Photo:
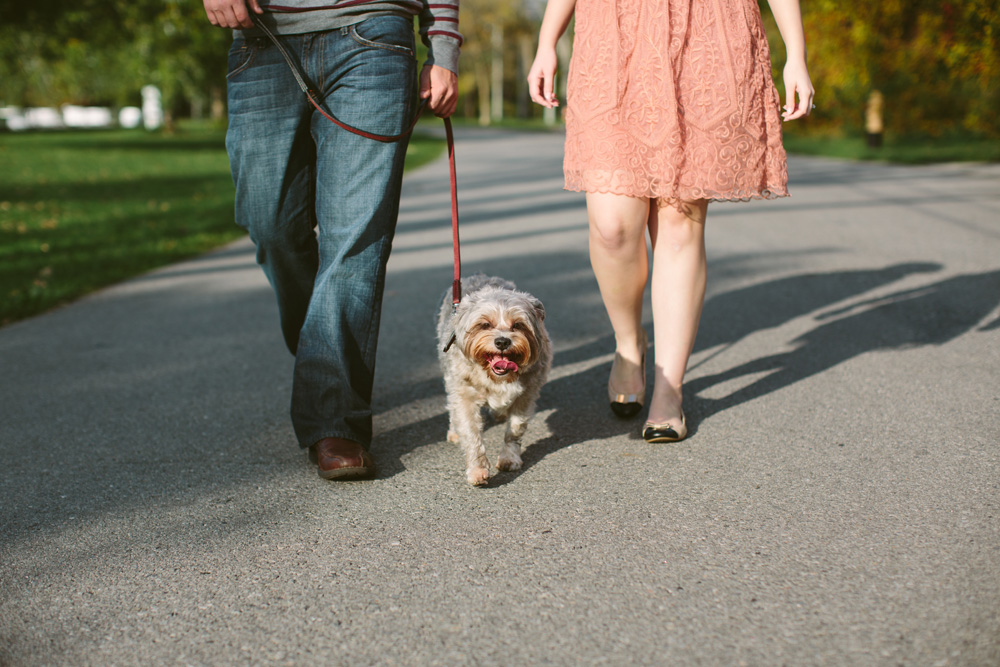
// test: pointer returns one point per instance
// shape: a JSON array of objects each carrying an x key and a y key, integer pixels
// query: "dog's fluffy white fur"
[{"x": 494, "y": 351}]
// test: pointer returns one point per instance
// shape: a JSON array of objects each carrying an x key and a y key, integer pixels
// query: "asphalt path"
[{"x": 837, "y": 502}]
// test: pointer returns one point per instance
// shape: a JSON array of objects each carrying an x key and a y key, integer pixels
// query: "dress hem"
[{"x": 663, "y": 199}]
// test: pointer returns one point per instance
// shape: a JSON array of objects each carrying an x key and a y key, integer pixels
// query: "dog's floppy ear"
[{"x": 539, "y": 308}]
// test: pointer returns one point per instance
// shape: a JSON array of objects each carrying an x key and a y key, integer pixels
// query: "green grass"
[
  {"x": 907, "y": 150},
  {"x": 80, "y": 210}
]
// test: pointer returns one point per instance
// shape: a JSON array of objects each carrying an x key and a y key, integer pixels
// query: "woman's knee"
[
  {"x": 682, "y": 223},
  {"x": 613, "y": 235},
  {"x": 617, "y": 222}
]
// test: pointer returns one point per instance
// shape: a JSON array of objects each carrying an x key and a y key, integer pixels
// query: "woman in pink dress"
[{"x": 670, "y": 105}]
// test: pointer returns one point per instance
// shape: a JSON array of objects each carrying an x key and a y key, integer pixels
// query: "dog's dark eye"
[
  {"x": 485, "y": 325},
  {"x": 519, "y": 326}
]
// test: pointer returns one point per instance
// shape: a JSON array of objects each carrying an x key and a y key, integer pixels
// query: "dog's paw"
[
  {"x": 453, "y": 437},
  {"x": 509, "y": 461},
  {"x": 478, "y": 476}
]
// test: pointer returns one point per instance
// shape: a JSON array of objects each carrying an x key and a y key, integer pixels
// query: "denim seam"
[
  {"x": 252, "y": 55},
  {"x": 378, "y": 45}
]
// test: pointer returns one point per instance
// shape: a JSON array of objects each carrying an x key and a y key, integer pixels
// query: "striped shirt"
[{"x": 438, "y": 21}]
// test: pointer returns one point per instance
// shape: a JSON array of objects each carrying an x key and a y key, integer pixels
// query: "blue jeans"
[{"x": 320, "y": 203}]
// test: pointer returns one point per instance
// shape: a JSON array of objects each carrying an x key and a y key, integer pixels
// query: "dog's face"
[{"x": 500, "y": 330}]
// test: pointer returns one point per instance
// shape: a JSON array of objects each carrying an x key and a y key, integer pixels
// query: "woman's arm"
[
  {"x": 541, "y": 78},
  {"x": 798, "y": 88}
]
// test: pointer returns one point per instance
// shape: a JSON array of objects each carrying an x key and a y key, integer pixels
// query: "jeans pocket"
[
  {"x": 390, "y": 33},
  {"x": 241, "y": 54}
]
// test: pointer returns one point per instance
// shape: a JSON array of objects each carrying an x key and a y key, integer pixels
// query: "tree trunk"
[
  {"x": 496, "y": 73},
  {"x": 525, "y": 56},
  {"x": 218, "y": 105},
  {"x": 483, "y": 90}
]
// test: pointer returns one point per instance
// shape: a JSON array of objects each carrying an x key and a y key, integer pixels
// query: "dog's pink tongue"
[{"x": 502, "y": 364}]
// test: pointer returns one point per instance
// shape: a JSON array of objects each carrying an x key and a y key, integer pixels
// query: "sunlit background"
[
  {"x": 935, "y": 64},
  {"x": 113, "y": 117}
]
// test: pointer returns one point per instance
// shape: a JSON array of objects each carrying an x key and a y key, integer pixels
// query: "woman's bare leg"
[
  {"x": 618, "y": 256},
  {"x": 678, "y": 293}
]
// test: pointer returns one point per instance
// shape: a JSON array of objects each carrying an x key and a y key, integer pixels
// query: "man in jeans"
[{"x": 320, "y": 203}]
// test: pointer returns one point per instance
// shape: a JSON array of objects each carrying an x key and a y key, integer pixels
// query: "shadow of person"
[
  {"x": 731, "y": 316},
  {"x": 930, "y": 315},
  {"x": 573, "y": 402}
]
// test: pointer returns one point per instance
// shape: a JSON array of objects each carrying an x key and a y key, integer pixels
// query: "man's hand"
[
  {"x": 439, "y": 86},
  {"x": 231, "y": 13}
]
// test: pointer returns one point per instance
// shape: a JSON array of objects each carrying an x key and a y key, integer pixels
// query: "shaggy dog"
[{"x": 494, "y": 351}]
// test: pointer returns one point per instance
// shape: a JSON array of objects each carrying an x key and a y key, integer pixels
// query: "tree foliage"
[
  {"x": 56, "y": 52},
  {"x": 936, "y": 63}
]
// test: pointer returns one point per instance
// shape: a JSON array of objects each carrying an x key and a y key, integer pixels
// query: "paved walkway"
[{"x": 837, "y": 503}]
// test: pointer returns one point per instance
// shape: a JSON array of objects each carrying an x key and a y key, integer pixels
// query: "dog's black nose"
[{"x": 502, "y": 343}]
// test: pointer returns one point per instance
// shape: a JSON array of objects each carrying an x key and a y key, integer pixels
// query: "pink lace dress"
[{"x": 673, "y": 100}]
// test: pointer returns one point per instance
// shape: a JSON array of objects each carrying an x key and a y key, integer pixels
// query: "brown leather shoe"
[{"x": 338, "y": 458}]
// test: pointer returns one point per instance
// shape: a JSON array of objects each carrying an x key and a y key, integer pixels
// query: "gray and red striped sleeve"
[{"x": 439, "y": 31}]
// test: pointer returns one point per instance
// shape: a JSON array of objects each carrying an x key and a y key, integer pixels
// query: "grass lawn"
[
  {"x": 80, "y": 210},
  {"x": 898, "y": 150}
]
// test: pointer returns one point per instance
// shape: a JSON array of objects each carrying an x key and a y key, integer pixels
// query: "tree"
[
  {"x": 55, "y": 52},
  {"x": 499, "y": 37},
  {"x": 936, "y": 63}
]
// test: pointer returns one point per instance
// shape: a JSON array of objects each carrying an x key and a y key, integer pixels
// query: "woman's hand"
[
  {"x": 798, "y": 90},
  {"x": 542, "y": 76}
]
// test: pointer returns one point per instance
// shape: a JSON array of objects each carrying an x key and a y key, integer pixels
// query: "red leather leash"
[{"x": 456, "y": 286}]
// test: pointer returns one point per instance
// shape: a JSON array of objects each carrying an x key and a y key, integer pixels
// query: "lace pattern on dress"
[{"x": 673, "y": 100}]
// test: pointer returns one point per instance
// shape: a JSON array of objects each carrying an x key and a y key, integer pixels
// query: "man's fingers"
[
  {"x": 241, "y": 17},
  {"x": 231, "y": 13},
  {"x": 441, "y": 90},
  {"x": 435, "y": 99},
  {"x": 425, "y": 83},
  {"x": 443, "y": 103}
]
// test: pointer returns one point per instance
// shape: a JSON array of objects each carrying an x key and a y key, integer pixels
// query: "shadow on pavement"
[
  {"x": 177, "y": 434},
  {"x": 933, "y": 314}
]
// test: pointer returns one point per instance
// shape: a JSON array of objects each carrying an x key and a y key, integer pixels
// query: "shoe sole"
[
  {"x": 663, "y": 439},
  {"x": 347, "y": 473}
]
